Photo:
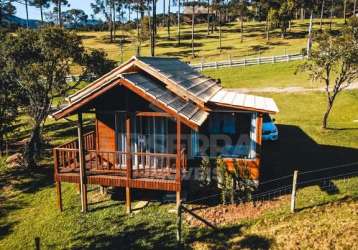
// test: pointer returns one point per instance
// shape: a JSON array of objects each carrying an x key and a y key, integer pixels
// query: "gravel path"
[{"x": 289, "y": 89}]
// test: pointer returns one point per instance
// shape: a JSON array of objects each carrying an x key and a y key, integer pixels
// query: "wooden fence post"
[
  {"x": 293, "y": 195},
  {"x": 202, "y": 64},
  {"x": 179, "y": 223},
  {"x": 37, "y": 243}
]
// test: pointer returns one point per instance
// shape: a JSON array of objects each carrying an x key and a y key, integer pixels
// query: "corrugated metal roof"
[
  {"x": 187, "y": 109},
  {"x": 183, "y": 76},
  {"x": 244, "y": 101}
]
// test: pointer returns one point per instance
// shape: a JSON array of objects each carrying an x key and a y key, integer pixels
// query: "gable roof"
[{"x": 173, "y": 85}]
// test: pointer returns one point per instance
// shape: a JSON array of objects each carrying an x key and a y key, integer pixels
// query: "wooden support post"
[
  {"x": 59, "y": 195},
  {"x": 293, "y": 195},
  {"x": 179, "y": 223},
  {"x": 82, "y": 164},
  {"x": 178, "y": 163},
  {"x": 129, "y": 164},
  {"x": 58, "y": 183}
]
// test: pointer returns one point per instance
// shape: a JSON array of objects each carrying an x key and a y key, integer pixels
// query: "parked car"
[{"x": 269, "y": 129}]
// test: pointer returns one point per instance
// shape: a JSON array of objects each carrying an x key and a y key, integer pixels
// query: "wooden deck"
[{"x": 148, "y": 170}]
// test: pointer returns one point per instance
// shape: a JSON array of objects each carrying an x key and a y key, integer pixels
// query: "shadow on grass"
[
  {"x": 295, "y": 150},
  {"x": 19, "y": 180},
  {"x": 221, "y": 239},
  {"x": 337, "y": 201},
  {"x": 137, "y": 236}
]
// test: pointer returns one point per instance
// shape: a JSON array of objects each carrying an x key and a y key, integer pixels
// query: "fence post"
[
  {"x": 37, "y": 243},
  {"x": 273, "y": 59},
  {"x": 202, "y": 62},
  {"x": 288, "y": 58},
  {"x": 230, "y": 61},
  {"x": 293, "y": 195},
  {"x": 245, "y": 61},
  {"x": 216, "y": 65},
  {"x": 179, "y": 222}
]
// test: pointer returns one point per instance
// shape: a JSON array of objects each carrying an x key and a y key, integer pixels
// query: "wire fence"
[{"x": 345, "y": 173}]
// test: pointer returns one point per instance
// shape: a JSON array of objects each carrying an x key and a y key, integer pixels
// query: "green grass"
[
  {"x": 206, "y": 47},
  {"x": 261, "y": 76},
  {"x": 28, "y": 210}
]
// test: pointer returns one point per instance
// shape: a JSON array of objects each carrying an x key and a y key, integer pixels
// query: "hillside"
[{"x": 206, "y": 45}]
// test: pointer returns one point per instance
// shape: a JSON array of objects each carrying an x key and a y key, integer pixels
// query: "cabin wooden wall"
[{"x": 105, "y": 132}]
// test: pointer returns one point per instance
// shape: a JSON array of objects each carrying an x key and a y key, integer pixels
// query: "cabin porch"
[{"x": 82, "y": 161}]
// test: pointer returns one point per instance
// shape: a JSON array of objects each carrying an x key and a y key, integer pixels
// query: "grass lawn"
[
  {"x": 27, "y": 198},
  {"x": 206, "y": 46},
  {"x": 261, "y": 76}
]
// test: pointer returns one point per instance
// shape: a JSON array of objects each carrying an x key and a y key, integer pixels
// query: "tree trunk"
[
  {"x": 241, "y": 27},
  {"x": 208, "y": 16},
  {"x": 322, "y": 10},
  {"x": 164, "y": 17},
  {"x": 168, "y": 19},
  {"x": 326, "y": 114},
  {"x": 331, "y": 16},
  {"x": 354, "y": 7},
  {"x": 178, "y": 22},
  {"x": 344, "y": 11},
  {"x": 192, "y": 32},
  {"x": 302, "y": 15},
  {"x": 138, "y": 33},
  {"x": 110, "y": 24},
  {"x": 59, "y": 13},
  {"x": 220, "y": 31},
  {"x": 32, "y": 148},
  {"x": 154, "y": 28},
  {"x": 267, "y": 29},
  {"x": 27, "y": 13},
  {"x": 114, "y": 20},
  {"x": 42, "y": 14}
]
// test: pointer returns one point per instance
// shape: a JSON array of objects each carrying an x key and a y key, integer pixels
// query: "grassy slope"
[
  {"x": 207, "y": 46},
  {"x": 28, "y": 210},
  {"x": 260, "y": 76}
]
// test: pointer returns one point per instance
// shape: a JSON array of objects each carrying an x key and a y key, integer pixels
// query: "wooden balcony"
[{"x": 146, "y": 170}]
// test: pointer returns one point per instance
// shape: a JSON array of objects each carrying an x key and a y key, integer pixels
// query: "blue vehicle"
[{"x": 269, "y": 129}]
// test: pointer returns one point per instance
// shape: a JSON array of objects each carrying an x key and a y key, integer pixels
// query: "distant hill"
[{"x": 14, "y": 20}]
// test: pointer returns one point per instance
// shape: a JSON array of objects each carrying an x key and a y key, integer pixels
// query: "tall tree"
[
  {"x": 9, "y": 98},
  {"x": 58, "y": 9},
  {"x": 335, "y": 62},
  {"x": 105, "y": 7},
  {"x": 322, "y": 11},
  {"x": 153, "y": 28},
  {"x": 74, "y": 17},
  {"x": 46, "y": 58},
  {"x": 27, "y": 13},
  {"x": 6, "y": 8},
  {"x": 41, "y": 4}
]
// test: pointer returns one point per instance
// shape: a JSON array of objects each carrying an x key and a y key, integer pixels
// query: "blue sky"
[{"x": 34, "y": 13}]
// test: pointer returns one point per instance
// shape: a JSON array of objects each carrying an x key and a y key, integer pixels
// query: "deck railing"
[{"x": 143, "y": 164}]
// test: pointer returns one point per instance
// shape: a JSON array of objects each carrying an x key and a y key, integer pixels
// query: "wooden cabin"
[{"x": 155, "y": 119}]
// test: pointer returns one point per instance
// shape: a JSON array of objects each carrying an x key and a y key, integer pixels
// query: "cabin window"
[
  {"x": 235, "y": 134},
  {"x": 195, "y": 147}
]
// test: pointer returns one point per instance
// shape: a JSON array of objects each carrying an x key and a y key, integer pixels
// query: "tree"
[
  {"x": 74, "y": 17},
  {"x": 192, "y": 4},
  {"x": 6, "y": 8},
  {"x": 105, "y": 7},
  {"x": 335, "y": 62},
  {"x": 9, "y": 98},
  {"x": 58, "y": 9},
  {"x": 41, "y": 60},
  {"x": 41, "y": 4}
]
